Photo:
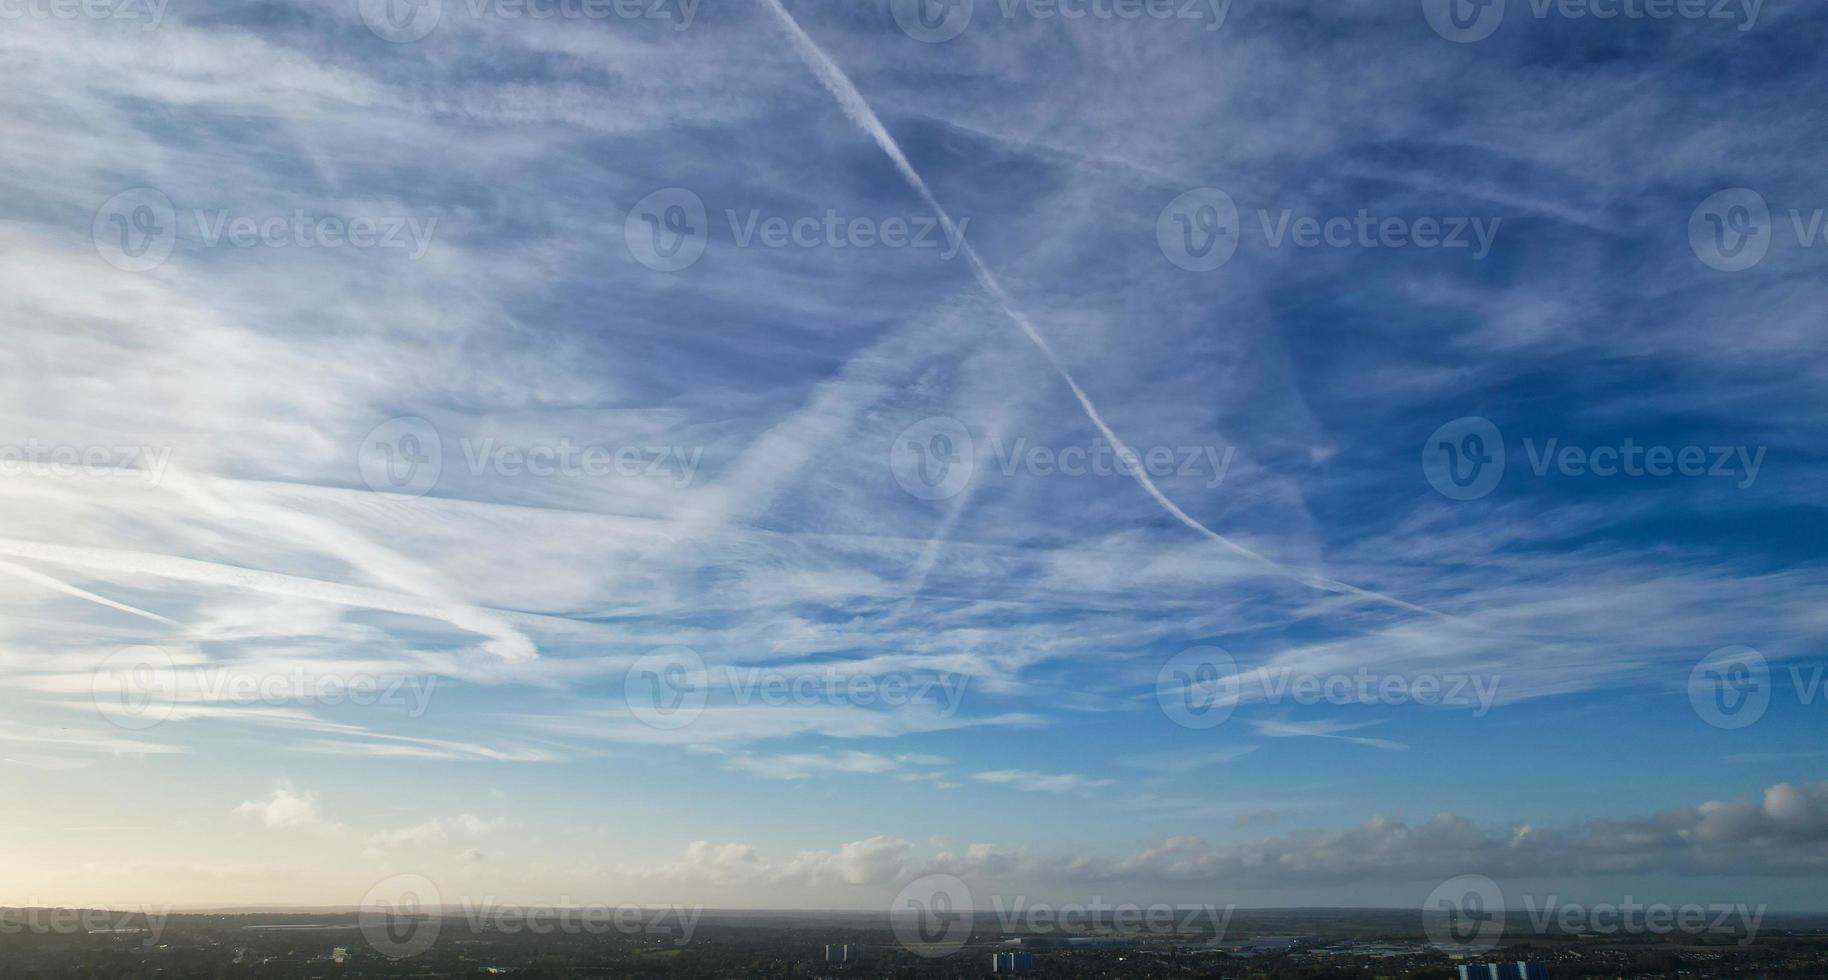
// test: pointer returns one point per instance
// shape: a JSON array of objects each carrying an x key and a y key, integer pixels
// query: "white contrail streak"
[
  {"x": 59, "y": 585},
  {"x": 509, "y": 647},
  {"x": 859, "y": 111}
]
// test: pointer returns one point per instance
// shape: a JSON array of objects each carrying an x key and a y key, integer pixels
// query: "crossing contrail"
[{"x": 859, "y": 111}]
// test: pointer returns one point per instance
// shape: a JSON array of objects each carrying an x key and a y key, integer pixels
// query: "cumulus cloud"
[
  {"x": 1784, "y": 833},
  {"x": 290, "y": 809},
  {"x": 872, "y": 861}
]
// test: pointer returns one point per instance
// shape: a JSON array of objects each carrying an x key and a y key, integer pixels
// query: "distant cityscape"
[{"x": 1261, "y": 945}]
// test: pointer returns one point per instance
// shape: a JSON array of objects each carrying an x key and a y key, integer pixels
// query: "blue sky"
[{"x": 647, "y": 452}]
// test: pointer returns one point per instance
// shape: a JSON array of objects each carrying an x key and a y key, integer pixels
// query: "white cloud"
[
  {"x": 436, "y": 830},
  {"x": 290, "y": 809},
  {"x": 1041, "y": 782}
]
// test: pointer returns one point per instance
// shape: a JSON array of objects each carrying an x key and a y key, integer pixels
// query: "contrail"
[
  {"x": 59, "y": 585},
  {"x": 509, "y": 646},
  {"x": 859, "y": 111}
]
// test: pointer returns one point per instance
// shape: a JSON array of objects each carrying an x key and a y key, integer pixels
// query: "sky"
[{"x": 764, "y": 454}]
